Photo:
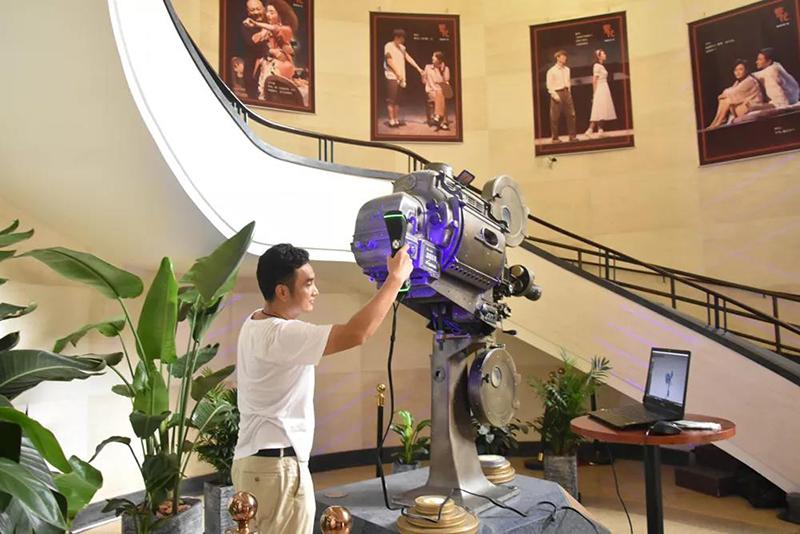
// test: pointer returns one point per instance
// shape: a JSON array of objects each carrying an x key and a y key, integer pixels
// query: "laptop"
[{"x": 664, "y": 395}]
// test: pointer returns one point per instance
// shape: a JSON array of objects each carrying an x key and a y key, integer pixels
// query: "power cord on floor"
[{"x": 616, "y": 486}]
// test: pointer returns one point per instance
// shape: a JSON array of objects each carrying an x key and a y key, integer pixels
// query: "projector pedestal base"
[{"x": 454, "y": 458}]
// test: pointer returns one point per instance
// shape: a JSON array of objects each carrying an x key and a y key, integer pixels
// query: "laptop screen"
[{"x": 668, "y": 376}]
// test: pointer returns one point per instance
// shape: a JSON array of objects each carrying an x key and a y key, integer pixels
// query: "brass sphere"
[
  {"x": 336, "y": 519},
  {"x": 243, "y": 507},
  {"x": 381, "y": 388}
]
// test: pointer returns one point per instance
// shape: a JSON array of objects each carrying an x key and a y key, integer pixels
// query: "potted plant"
[
  {"x": 564, "y": 395},
  {"x": 413, "y": 446},
  {"x": 498, "y": 440},
  {"x": 32, "y": 497},
  {"x": 215, "y": 446},
  {"x": 162, "y": 424}
]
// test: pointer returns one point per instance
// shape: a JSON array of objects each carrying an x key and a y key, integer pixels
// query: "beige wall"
[{"x": 737, "y": 221}]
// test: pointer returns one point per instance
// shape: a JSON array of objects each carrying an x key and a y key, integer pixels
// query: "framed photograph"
[
  {"x": 266, "y": 52},
  {"x": 415, "y": 77},
  {"x": 746, "y": 67},
  {"x": 581, "y": 85}
]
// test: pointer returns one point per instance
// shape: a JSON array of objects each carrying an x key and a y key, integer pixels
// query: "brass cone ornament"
[
  {"x": 336, "y": 520},
  {"x": 497, "y": 469},
  {"x": 243, "y": 509},
  {"x": 424, "y": 518}
]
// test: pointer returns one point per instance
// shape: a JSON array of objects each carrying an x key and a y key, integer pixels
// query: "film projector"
[{"x": 457, "y": 240}]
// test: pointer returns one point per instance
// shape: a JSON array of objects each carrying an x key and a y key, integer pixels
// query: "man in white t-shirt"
[
  {"x": 394, "y": 70},
  {"x": 276, "y": 356}
]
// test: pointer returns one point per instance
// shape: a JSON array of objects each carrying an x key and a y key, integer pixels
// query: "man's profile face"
[
  {"x": 304, "y": 290},
  {"x": 762, "y": 61},
  {"x": 255, "y": 10},
  {"x": 561, "y": 59}
]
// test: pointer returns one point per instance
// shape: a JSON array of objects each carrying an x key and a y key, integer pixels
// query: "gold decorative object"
[
  {"x": 336, "y": 519},
  {"x": 497, "y": 469},
  {"x": 381, "y": 388},
  {"x": 424, "y": 517},
  {"x": 243, "y": 509}
]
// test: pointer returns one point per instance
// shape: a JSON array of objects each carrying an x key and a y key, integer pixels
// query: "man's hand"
[
  {"x": 249, "y": 23},
  {"x": 556, "y": 97},
  {"x": 400, "y": 265}
]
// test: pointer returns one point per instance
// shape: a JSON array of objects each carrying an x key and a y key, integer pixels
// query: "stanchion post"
[{"x": 381, "y": 398}]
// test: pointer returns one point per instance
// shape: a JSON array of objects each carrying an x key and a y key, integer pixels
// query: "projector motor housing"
[{"x": 457, "y": 241}]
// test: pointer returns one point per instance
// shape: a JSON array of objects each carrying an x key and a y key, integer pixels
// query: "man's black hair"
[
  {"x": 278, "y": 266},
  {"x": 768, "y": 53},
  {"x": 398, "y": 33}
]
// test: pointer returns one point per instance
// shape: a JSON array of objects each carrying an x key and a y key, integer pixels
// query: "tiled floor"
[{"x": 685, "y": 511}]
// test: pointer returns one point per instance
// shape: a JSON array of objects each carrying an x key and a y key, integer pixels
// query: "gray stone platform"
[{"x": 365, "y": 501}]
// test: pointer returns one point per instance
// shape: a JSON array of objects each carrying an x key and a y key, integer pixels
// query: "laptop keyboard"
[{"x": 636, "y": 411}]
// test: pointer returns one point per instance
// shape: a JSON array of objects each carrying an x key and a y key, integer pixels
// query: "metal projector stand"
[{"x": 454, "y": 458}]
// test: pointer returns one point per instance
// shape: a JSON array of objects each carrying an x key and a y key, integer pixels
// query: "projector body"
[
  {"x": 457, "y": 247},
  {"x": 457, "y": 240}
]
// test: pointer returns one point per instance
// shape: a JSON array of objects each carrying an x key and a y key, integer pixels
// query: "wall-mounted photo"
[
  {"x": 267, "y": 52},
  {"x": 746, "y": 67},
  {"x": 581, "y": 85},
  {"x": 415, "y": 76}
]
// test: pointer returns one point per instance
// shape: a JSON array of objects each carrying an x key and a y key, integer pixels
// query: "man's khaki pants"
[{"x": 284, "y": 491}]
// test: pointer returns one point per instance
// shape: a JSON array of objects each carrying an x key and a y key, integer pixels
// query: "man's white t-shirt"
[
  {"x": 275, "y": 377},
  {"x": 398, "y": 54}
]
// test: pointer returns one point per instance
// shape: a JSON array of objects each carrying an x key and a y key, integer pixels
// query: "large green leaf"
[
  {"x": 79, "y": 485},
  {"x": 109, "y": 328},
  {"x": 41, "y": 438},
  {"x": 214, "y": 271},
  {"x": 204, "y": 317},
  {"x": 9, "y": 239},
  {"x": 12, "y": 311},
  {"x": 160, "y": 472},
  {"x": 123, "y": 390},
  {"x": 21, "y": 370},
  {"x": 10, "y": 440},
  {"x": 91, "y": 270},
  {"x": 204, "y": 355},
  {"x": 113, "y": 439},
  {"x": 9, "y": 341},
  {"x": 5, "y": 254},
  {"x": 16, "y": 518},
  {"x": 10, "y": 228},
  {"x": 144, "y": 425},
  {"x": 32, "y": 494},
  {"x": 203, "y": 384},
  {"x": 159, "y": 316},
  {"x": 150, "y": 391},
  {"x": 209, "y": 414}
]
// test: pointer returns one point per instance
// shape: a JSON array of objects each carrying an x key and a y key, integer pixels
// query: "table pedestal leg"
[{"x": 652, "y": 479}]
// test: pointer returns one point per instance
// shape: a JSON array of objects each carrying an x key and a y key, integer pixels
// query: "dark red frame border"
[
  {"x": 224, "y": 68},
  {"x": 373, "y": 93},
  {"x": 584, "y": 146},
  {"x": 698, "y": 88}
]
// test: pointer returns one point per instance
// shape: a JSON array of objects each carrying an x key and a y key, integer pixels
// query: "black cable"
[
  {"x": 616, "y": 486},
  {"x": 494, "y": 502},
  {"x": 557, "y": 508},
  {"x": 392, "y": 337}
]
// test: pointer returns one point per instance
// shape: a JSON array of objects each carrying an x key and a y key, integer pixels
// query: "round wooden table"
[{"x": 590, "y": 428}]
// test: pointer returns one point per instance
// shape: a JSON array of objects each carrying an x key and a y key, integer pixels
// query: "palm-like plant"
[
  {"x": 217, "y": 443},
  {"x": 413, "y": 445},
  {"x": 564, "y": 395},
  {"x": 161, "y": 424},
  {"x": 32, "y": 498}
]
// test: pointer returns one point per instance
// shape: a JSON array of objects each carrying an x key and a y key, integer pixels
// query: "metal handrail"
[
  {"x": 416, "y": 161},
  {"x": 690, "y": 275}
]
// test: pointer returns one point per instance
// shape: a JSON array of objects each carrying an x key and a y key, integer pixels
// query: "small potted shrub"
[
  {"x": 215, "y": 446},
  {"x": 564, "y": 395},
  {"x": 413, "y": 445},
  {"x": 498, "y": 440}
]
